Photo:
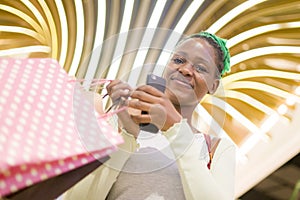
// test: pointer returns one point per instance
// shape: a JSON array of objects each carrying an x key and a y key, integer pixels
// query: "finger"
[
  {"x": 121, "y": 86},
  {"x": 150, "y": 90},
  {"x": 138, "y": 119},
  {"x": 144, "y": 96},
  {"x": 112, "y": 84},
  {"x": 132, "y": 111},
  {"x": 118, "y": 94},
  {"x": 118, "y": 89},
  {"x": 140, "y": 105},
  {"x": 117, "y": 85}
]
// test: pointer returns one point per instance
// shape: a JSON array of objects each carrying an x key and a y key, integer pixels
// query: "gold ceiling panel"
[{"x": 263, "y": 37}]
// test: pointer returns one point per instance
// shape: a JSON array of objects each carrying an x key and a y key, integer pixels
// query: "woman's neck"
[{"x": 186, "y": 112}]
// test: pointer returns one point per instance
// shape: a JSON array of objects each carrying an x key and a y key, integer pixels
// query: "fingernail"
[{"x": 126, "y": 91}]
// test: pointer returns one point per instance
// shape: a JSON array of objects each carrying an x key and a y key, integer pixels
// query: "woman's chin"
[{"x": 181, "y": 97}]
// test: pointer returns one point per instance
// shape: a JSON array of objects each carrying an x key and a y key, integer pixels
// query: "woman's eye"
[
  {"x": 200, "y": 68},
  {"x": 178, "y": 60}
]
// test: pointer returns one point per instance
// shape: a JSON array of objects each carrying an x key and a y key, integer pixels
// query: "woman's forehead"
[
  {"x": 195, "y": 47},
  {"x": 193, "y": 42}
]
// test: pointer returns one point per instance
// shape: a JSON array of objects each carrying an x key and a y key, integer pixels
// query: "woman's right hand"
[{"x": 119, "y": 92}]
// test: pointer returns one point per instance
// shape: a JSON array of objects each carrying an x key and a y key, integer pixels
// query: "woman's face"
[{"x": 191, "y": 72}]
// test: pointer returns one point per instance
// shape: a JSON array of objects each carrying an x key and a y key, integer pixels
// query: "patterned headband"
[{"x": 222, "y": 44}]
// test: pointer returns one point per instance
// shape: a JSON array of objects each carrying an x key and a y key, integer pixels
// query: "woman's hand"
[
  {"x": 161, "y": 111},
  {"x": 119, "y": 92}
]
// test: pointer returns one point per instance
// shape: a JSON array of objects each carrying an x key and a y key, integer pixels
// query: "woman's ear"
[{"x": 214, "y": 86}]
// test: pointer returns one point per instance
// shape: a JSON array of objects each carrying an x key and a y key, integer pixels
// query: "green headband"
[{"x": 222, "y": 44}]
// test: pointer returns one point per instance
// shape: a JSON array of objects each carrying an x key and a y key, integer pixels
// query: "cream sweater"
[{"x": 198, "y": 181}]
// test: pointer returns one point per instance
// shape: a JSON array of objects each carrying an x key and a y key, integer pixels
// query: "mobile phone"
[{"x": 160, "y": 84}]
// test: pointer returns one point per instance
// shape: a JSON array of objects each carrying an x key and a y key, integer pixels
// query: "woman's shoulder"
[
  {"x": 217, "y": 139},
  {"x": 213, "y": 142},
  {"x": 216, "y": 144},
  {"x": 225, "y": 146}
]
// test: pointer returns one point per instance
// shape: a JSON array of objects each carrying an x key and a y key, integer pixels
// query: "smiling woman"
[
  {"x": 177, "y": 162},
  {"x": 264, "y": 41},
  {"x": 192, "y": 67}
]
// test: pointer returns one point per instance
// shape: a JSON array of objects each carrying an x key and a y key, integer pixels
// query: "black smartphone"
[{"x": 160, "y": 84}]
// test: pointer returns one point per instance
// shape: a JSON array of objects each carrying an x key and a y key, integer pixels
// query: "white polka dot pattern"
[{"x": 47, "y": 126}]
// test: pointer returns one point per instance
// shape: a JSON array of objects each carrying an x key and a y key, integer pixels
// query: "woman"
[{"x": 193, "y": 71}]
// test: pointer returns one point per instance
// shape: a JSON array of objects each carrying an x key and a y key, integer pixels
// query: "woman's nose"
[{"x": 187, "y": 69}]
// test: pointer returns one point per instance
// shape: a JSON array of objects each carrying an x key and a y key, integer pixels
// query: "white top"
[
  {"x": 161, "y": 143},
  {"x": 197, "y": 180}
]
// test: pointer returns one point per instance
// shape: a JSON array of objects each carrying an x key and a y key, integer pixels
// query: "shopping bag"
[
  {"x": 54, "y": 187},
  {"x": 47, "y": 126}
]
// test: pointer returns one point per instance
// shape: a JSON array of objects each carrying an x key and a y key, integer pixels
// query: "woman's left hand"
[{"x": 161, "y": 111}]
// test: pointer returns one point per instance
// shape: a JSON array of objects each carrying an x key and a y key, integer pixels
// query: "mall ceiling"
[{"x": 129, "y": 39}]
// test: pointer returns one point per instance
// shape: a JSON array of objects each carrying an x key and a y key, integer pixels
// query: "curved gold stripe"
[
  {"x": 23, "y": 16},
  {"x": 134, "y": 41},
  {"x": 90, "y": 20},
  {"x": 80, "y": 26},
  {"x": 208, "y": 13},
  {"x": 24, "y": 50},
  {"x": 97, "y": 45},
  {"x": 160, "y": 38},
  {"x": 249, "y": 100},
  {"x": 121, "y": 40},
  {"x": 259, "y": 73},
  {"x": 40, "y": 19},
  {"x": 261, "y": 87},
  {"x": 260, "y": 30},
  {"x": 64, "y": 32},
  {"x": 176, "y": 35},
  {"x": 220, "y": 23},
  {"x": 25, "y": 31},
  {"x": 147, "y": 38},
  {"x": 242, "y": 119},
  {"x": 53, "y": 29},
  {"x": 187, "y": 16},
  {"x": 204, "y": 115},
  {"x": 110, "y": 40},
  {"x": 238, "y": 58},
  {"x": 251, "y": 17}
]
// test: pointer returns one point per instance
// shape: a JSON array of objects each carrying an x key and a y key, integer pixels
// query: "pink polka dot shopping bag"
[{"x": 47, "y": 125}]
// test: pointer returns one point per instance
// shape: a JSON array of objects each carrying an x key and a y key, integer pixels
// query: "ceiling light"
[
  {"x": 282, "y": 109},
  {"x": 291, "y": 100},
  {"x": 297, "y": 91}
]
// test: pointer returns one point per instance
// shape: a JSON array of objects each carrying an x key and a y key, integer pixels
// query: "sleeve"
[
  {"x": 98, "y": 184},
  {"x": 198, "y": 181},
  {"x": 130, "y": 143}
]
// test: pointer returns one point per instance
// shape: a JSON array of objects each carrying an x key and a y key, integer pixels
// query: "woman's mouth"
[{"x": 182, "y": 82}]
